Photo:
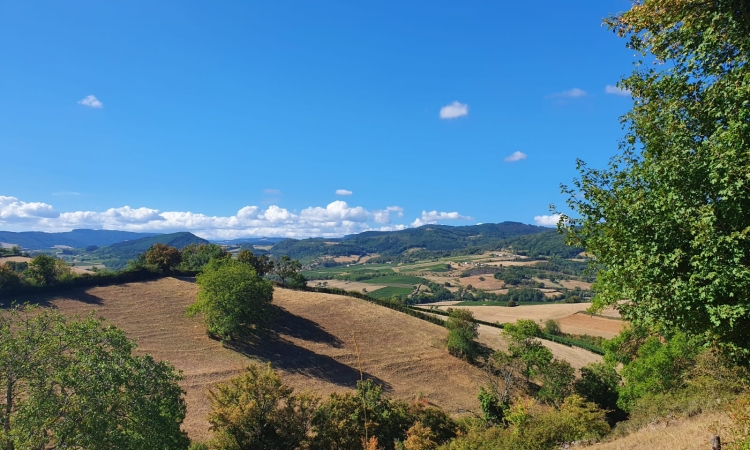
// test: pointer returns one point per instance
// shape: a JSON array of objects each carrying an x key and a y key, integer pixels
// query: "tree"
[
  {"x": 525, "y": 346},
  {"x": 257, "y": 411},
  {"x": 9, "y": 278},
  {"x": 233, "y": 299},
  {"x": 557, "y": 382},
  {"x": 261, "y": 263},
  {"x": 195, "y": 256},
  {"x": 45, "y": 270},
  {"x": 462, "y": 332},
  {"x": 76, "y": 384},
  {"x": 287, "y": 268},
  {"x": 599, "y": 384},
  {"x": 163, "y": 256},
  {"x": 667, "y": 220}
]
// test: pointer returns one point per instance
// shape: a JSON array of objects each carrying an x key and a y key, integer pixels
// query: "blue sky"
[{"x": 240, "y": 118}]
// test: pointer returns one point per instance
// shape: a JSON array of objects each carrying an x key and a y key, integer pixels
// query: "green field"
[
  {"x": 389, "y": 291},
  {"x": 395, "y": 279}
]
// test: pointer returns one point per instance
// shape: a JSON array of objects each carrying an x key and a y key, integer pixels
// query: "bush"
[{"x": 256, "y": 410}]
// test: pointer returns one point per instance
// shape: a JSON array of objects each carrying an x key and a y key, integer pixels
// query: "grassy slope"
[{"x": 313, "y": 344}]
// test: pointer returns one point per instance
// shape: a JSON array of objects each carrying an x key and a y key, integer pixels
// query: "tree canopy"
[
  {"x": 233, "y": 299},
  {"x": 76, "y": 384},
  {"x": 668, "y": 221}
]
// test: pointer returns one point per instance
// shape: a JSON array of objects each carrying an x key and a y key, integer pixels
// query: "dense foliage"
[
  {"x": 232, "y": 298},
  {"x": 76, "y": 384},
  {"x": 668, "y": 220}
]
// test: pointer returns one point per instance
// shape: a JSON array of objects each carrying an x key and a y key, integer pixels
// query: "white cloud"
[
  {"x": 13, "y": 210},
  {"x": 454, "y": 110},
  {"x": 614, "y": 90},
  {"x": 66, "y": 194},
  {"x": 433, "y": 217},
  {"x": 547, "y": 220},
  {"x": 570, "y": 93},
  {"x": 343, "y": 192},
  {"x": 334, "y": 220},
  {"x": 515, "y": 156},
  {"x": 91, "y": 102}
]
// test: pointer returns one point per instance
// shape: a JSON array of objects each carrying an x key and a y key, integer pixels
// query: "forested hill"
[
  {"x": 117, "y": 255},
  {"x": 442, "y": 239},
  {"x": 38, "y": 240}
]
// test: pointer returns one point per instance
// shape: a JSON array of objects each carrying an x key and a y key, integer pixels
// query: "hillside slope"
[
  {"x": 117, "y": 255},
  {"x": 532, "y": 239},
  {"x": 312, "y": 344},
  {"x": 38, "y": 240}
]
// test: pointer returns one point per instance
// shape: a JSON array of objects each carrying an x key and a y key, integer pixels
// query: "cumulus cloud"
[
  {"x": 433, "y": 217},
  {"x": 334, "y": 220},
  {"x": 91, "y": 102},
  {"x": 343, "y": 192},
  {"x": 570, "y": 93},
  {"x": 614, "y": 90},
  {"x": 547, "y": 220},
  {"x": 454, "y": 110},
  {"x": 515, "y": 156},
  {"x": 14, "y": 210}
]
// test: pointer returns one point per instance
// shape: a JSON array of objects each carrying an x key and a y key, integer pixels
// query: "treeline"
[{"x": 45, "y": 273}]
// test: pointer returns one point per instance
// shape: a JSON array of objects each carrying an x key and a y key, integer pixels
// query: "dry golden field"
[
  {"x": 683, "y": 434},
  {"x": 570, "y": 316},
  {"x": 5, "y": 259},
  {"x": 347, "y": 285},
  {"x": 580, "y": 323},
  {"x": 311, "y": 344}
]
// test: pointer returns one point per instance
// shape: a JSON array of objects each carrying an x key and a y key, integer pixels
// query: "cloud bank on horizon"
[{"x": 334, "y": 220}]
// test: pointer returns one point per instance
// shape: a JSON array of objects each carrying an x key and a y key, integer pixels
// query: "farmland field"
[{"x": 311, "y": 344}]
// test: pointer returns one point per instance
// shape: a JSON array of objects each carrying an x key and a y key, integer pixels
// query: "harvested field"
[
  {"x": 14, "y": 259},
  {"x": 311, "y": 344},
  {"x": 538, "y": 313},
  {"x": 685, "y": 434},
  {"x": 346, "y": 259},
  {"x": 347, "y": 285},
  {"x": 572, "y": 284},
  {"x": 580, "y": 323},
  {"x": 490, "y": 283}
]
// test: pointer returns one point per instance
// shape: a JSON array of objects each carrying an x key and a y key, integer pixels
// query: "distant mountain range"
[
  {"x": 437, "y": 239},
  {"x": 117, "y": 255},
  {"x": 117, "y": 247},
  {"x": 38, "y": 240}
]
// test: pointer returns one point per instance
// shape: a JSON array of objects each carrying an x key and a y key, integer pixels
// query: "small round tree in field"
[
  {"x": 163, "y": 256},
  {"x": 233, "y": 299}
]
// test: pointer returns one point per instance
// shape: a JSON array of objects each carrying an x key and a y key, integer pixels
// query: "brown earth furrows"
[{"x": 311, "y": 344}]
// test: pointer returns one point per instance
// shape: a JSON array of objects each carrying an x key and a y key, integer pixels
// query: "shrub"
[{"x": 256, "y": 410}]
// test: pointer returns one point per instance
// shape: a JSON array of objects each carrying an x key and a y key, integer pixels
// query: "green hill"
[
  {"x": 39, "y": 240},
  {"x": 434, "y": 240},
  {"x": 117, "y": 255}
]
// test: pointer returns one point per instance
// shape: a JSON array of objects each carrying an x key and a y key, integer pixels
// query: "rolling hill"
[
  {"x": 117, "y": 255},
  {"x": 434, "y": 239},
  {"x": 38, "y": 240},
  {"x": 312, "y": 344}
]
